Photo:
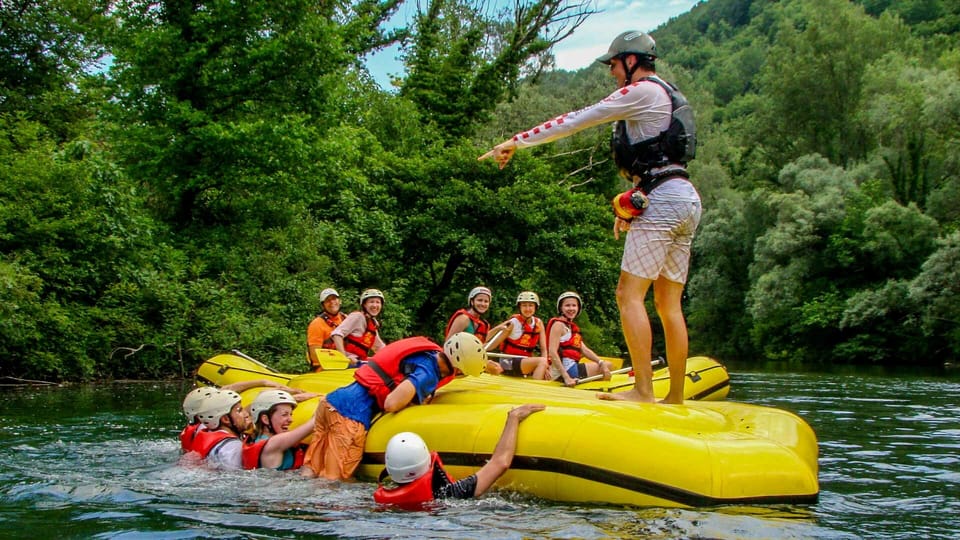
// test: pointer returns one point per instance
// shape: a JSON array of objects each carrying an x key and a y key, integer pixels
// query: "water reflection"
[{"x": 101, "y": 461}]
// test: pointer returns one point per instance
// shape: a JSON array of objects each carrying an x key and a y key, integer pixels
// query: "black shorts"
[{"x": 512, "y": 366}]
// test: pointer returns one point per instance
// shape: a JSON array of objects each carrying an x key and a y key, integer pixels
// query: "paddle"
[
  {"x": 653, "y": 363},
  {"x": 600, "y": 376}
]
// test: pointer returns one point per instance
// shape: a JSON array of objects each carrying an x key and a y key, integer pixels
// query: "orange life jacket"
[
  {"x": 363, "y": 345},
  {"x": 413, "y": 493},
  {"x": 480, "y": 326},
  {"x": 528, "y": 341},
  {"x": 571, "y": 347},
  {"x": 384, "y": 372},
  {"x": 251, "y": 455},
  {"x": 187, "y": 436},
  {"x": 207, "y": 440}
]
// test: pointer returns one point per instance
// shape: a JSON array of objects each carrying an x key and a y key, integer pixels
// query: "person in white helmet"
[
  {"x": 405, "y": 372},
  {"x": 522, "y": 335},
  {"x": 358, "y": 337},
  {"x": 421, "y": 478},
  {"x": 195, "y": 399},
  {"x": 566, "y": 346},
  {"x": 322, "y": 326},
  {"x": 273, "y": 445},
  {"x": 226, "y": 421},
  {"x": 471, "y": 319},
  {"x": 660, "y": 214}
]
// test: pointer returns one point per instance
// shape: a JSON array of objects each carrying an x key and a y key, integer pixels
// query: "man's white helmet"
[
  {"x": 478, "y": 290},
  {"x": 217, "y": 405},
  {"x": 267, "y": 399},
  {"x": 195, "y": 399},
  {"x": 407, "y": 457},
  {"x": 528, "y": 296},
  {"x": 466, "y": 353},
  {"x": 327, "y": 293}
]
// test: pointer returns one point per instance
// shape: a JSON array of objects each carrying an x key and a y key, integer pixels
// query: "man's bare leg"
[
  {"x": 667, "y": 296},
  {"x": 631, "y": 292}
]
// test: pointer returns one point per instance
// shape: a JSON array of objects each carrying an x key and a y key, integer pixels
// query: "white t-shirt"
[{"x": 228, "y": 454}]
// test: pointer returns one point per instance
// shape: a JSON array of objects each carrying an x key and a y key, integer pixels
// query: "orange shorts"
[{"x": 337, "y": 445}]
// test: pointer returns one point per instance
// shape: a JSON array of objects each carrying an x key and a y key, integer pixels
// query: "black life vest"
[{"x": 677, "y": 144}]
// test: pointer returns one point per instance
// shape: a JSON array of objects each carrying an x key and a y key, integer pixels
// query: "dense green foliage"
[{"x": 181, "y": 178}]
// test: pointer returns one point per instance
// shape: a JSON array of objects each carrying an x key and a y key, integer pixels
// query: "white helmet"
[
  {"x": 267, "y": 399},
  {"x": 478, "y": 290},
  {"x": 570, "y": 294},
  {"x": 528, "y": 296},
  {"x": 217, "y": 405},
  {"x": 407, "y": 457},
  {"x": 195, "y": 399},
  {"x": 327, "y": 293},
  {"x": 466, "y": 353},
  {"x": 371, "y": 293}
]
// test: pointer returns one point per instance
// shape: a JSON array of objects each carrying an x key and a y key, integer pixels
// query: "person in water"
[
  {"x": 405, "y": 372},
  {"x": 226, "y": 421},
  {"x": 521, "y": 336},
  {"x": 322, "y": 326},
  {"x": 273, "y": 445},
  {"x": 358, "y": 336},
  {"x": 566, "y": 345},
  {"x": 421, "y": 478},
  {"x": 195, "y": 399}
]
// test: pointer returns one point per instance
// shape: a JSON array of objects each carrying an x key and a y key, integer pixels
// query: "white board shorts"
[{"x": 658, "y": 242}]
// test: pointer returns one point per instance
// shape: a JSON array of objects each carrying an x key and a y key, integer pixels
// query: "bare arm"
[
  {"x": 240, "y": 386},
  {"x": 400, "y": 397},
  {"x": 603, "y": 364},
  {"x": 506, "y": 448},
  {"x": 272, "y": 455}
]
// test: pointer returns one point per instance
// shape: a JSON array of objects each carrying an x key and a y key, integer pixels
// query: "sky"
[{"x": 589, "y": 41}]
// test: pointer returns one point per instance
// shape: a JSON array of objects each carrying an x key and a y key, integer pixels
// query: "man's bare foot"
[
  {"x": 629, "y": 395},
  {"x": 671, "y": 400}
]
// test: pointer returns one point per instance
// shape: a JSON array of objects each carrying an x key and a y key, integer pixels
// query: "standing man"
[
  {"x": 322, "y": 326},
  {"x": 653, "y": 139}
]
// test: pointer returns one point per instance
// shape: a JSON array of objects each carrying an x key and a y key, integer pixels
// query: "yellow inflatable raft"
[
  {"x": 585, "y": 450},
  {"x": 707, "y": 379}
]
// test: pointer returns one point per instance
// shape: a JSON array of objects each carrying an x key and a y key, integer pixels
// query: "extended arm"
[{"x": 506, "y": 448}]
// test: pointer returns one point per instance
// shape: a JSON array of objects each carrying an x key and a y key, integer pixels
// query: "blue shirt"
[{"x": 355, "y": 402}]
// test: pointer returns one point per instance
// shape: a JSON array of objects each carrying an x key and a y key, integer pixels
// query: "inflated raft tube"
[
  {"x": 706, "y": 379},
  {"x": 585, "y": 450}
]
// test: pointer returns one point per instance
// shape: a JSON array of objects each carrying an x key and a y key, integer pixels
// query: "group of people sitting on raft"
[
  {"x": 527, "y": 347},
  {"x": 222, "y": 432}
]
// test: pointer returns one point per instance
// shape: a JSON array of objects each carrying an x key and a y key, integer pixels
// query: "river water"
[{"x": 100, "y": 461}]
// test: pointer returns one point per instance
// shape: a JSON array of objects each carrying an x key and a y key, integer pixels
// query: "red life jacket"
[
  {"x": 480, "y": 326},
  {"x": 251, "y": 455},
  {"x": 187, "y": 436},
  {"x": 413, "y": 493},
  {"x": 570, "y": 348},
  {"x": 527, "y": 342},
  {"x": 207, "y": 440},
  {"x": 361, "y": 346},
  {"x": 383, "y": 373}
]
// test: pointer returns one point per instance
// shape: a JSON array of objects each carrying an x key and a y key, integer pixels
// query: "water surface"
[{"x": 100, "y": 461}]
